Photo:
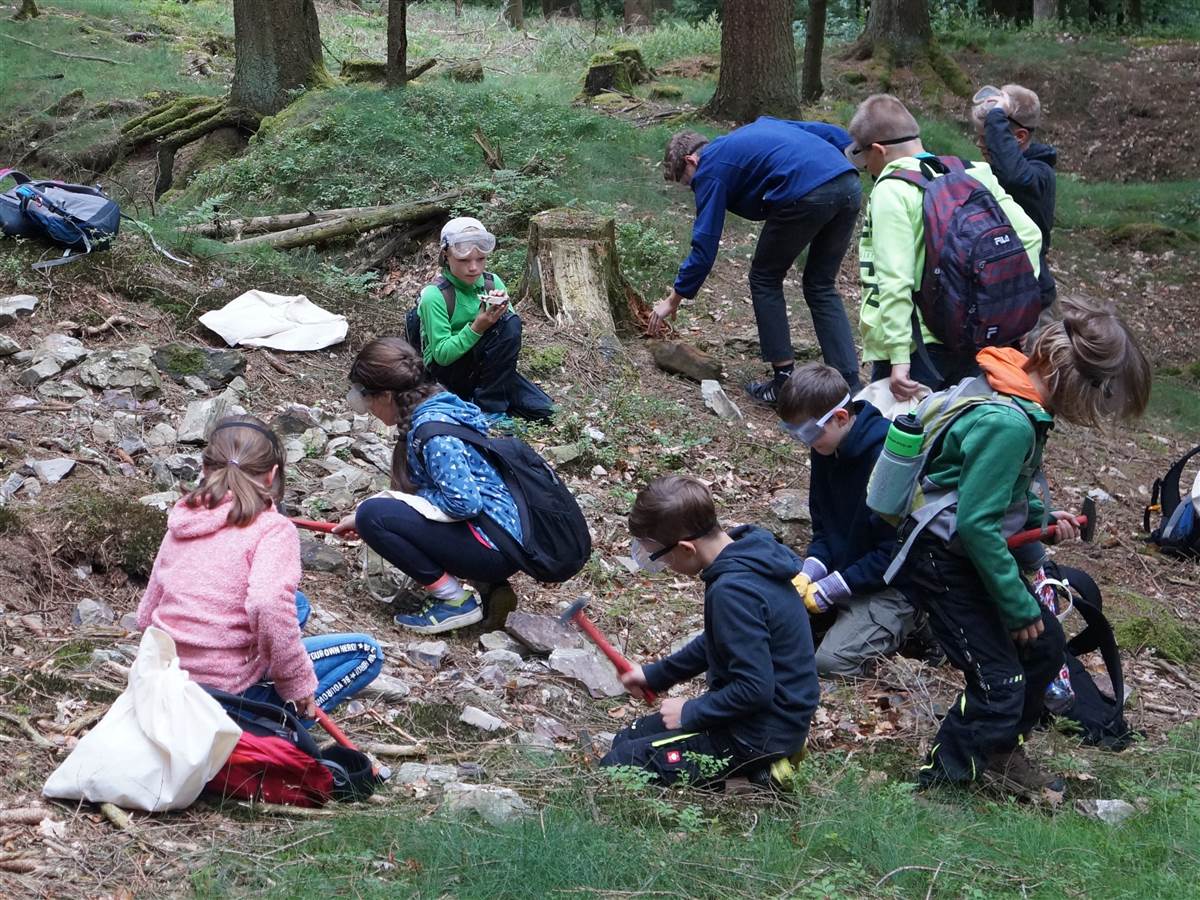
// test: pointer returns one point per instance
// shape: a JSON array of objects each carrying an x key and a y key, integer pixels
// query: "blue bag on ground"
[{"x": 78, "y": 217}]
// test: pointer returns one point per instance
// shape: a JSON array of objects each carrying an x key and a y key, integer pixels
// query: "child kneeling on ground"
[
  {"x": 224, "y": 585},
  {"x": 756, "y": 647},
  {"x": 842, "y": 575}
]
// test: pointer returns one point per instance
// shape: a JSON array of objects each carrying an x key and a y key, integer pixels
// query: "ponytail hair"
[
  {"x": 1091, "y": 365},
  {"x": 241, "y": 451},
  {"x": 391, "y": 365}
]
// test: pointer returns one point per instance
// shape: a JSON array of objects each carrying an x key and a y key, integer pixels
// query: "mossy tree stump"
[
  {"x": 607, "y": 72},
  {"x": 572, "y": 272},
  {"x": 639, "y": 72}
]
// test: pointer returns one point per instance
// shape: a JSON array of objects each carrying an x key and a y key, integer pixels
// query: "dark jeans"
[
  {"x": 1005, "y": 682},
  {"x": 950, "y": 371},
  {"x": 669, "y": 754},
  {"x": 425, "y": 550},
  {"x": 823, "y": 220},
  {"x": 487, "y": 374}
]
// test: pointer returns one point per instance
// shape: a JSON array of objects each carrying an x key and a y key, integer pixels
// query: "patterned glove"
[
  {"x": 814, "y": 569},
  {"x": 831, "y": 589}
]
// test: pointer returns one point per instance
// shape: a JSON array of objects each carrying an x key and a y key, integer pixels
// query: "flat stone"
[
  {"x": 1111, "y": 812},
  {"x": 501, "y": 640},
  {"x": 16, "y": 305},
  {"x": 52, "y": 471},
  {"x": 477, "y": 718},
  {"x": 129, "y": 621},
  {"x": 386, "y": 688},
  {"x": 418, "y": 773},
  {"x": 92, "y": 612},
  {"x": 679, "y": 358},
  {"x": 374, "y": 453},
  {"x": 314, "y": 440},
  {"x": 347, "y": 478},
  {"x": 212, "y": 368},
  {"x": 535, "y": 741},
  {"x": 564, "y": 453},
  {"x": 8, "y": 346},
  {"x": 590, "y": 669},
  {"x": 161, "y": 435},
  {"x": 293, "y": 450},
  {"x": 161, "y": 500},
  {"x": 201, "y": 415},
  {"x": 11, "y": 485},
  {"x": 1100, "y": 495},
  {"x": 339, "y": 426},
  {"x": 507, "y": 660},
  {"x": 296, "y": 419},
  {"x": 718, "y": 401},
  {"x": 552, "y": 729},
  {"x": 790, "y": 506},
  {"x": 495, "y": 805},
  {"x": 129, "y": 370},
  {"x": 63, "y": 391},
  {"x": 542, "y": 634},
  {"x": 317, "y": 556},
  {"x": 428, "y": 653},
  {"x": 19, "y": 402},
  {"x": 38, "y": 372}
]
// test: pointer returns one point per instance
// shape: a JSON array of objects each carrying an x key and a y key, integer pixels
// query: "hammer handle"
[
  {"x": 339, "y": 736},
  {"x": 614, "y": 656},
  {"x": 1021, "y": 538},
  {"x": 326, "y": 527}
]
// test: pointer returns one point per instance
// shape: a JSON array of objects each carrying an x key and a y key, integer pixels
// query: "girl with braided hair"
[
  {"x": 224, "y": 585},
  {"x": 435, "y": 529}
]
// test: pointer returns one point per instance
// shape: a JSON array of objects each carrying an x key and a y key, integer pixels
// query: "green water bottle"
[{"x": 894, "y": 479}]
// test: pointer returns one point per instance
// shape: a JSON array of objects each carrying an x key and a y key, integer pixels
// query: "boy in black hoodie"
[
  {"x": 756, "y": 647},
  {"x": 1005, "y": 119},
  {"x": 842, "y": 575}
]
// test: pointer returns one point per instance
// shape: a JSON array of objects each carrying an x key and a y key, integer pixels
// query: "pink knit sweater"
[{"x": 227, "y": 597}]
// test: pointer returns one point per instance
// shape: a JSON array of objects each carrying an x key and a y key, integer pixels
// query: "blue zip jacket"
[
  {"x": 454, "y": 476},
  {"x": 768, "y": 162},
  {"x": 757, "y": 649},
  {"x": 847, "y": 536},
  {"x": 1029, "y": 177}
]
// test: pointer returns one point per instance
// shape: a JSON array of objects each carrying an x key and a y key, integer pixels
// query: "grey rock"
[
  {"x": 129, "y": 621},
  {"x": 317, "y": 556},
  {"x": 314, "y": 441},
  {"x": 184, "y": 466},
  {"x": 213, "y": 368},
  {"x": 161, "y": 500},
  {"x": 129, "y": 370},
  {"x": 8, "y": 346},
  {"x": 347, "y": 478},
  {"x": 161, "y": 435},
  {"x": 294, "y": 420},
  {"x": 92, "y": 612},
  {"x": 1111, "y": 812},
  {"x": 477, "y": 718},
  {"x": 52, "y": 471},
  {"x": 682, "y": 642},
  {"x": 63, "y": 391},
  {"x": 1100, "y": 495},
  {"x": 339, "y": 426},
  {"x": 501, "y": 640},
  {"x": 505, "y": 659},
  {"x": 536, "y": 741},
  {"x": 495, "y": 805},
  {"x": 19, "y": 402},
  {"x": 790, "y": 506},
  {"x": 679, "y": 358},
  {"x": 470, "y": 771},
  {"x": 132, "y": 446},
  {"x": 201, "y": 415},
  {"x": 101, "y": 655},
  {"x": 542, "y": 634},
  {"x": 493, "y": 675},
  {"x": 40, "y": 371},
  {"x": 417, "y": 773},
  {"x": 718, "y": 401},
  {"x": 386, "y": 688},
  {"x": 195, "y": 383},
  {"x": 374, "y": 453},
  {"x": 238, "y": 386},
  {"x": 293, "y": 450},
  {"x": 16, "y": 305},
  {"x": 11, "y": 485},
  {"x": 590, "y": 669},
  {"x": 551, "y": 729},
  {"x": 428, "y": 653},
  {"x": 565, "y": 453}
]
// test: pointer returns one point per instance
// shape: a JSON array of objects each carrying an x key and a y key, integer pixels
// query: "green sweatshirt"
[
  {"x": 891, "y": 258},
  {"x": 982, "y": 456},
  {"x": 446, "y": 339}
]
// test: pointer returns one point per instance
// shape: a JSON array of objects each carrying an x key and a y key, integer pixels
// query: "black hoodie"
[
  {"x": 756, "y": 648},
  {"x": 1029, "y": 177}
]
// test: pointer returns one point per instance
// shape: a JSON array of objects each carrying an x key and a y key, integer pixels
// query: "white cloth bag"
[
  {"x": 157, "y": 747},
  {"x": 260, "y": 319},
  {"x": 879, "y": 394}
]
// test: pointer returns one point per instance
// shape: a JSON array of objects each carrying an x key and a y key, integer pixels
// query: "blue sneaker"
[{"x": 441, "y": 615}]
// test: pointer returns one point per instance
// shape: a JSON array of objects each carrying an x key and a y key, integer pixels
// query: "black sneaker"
[{"x": 764, "y": 391}]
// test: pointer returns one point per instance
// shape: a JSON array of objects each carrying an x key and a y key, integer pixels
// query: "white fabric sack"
[
  {"x": 157, "y": 747},
  {"x": 879, "y": 395},
  {"x": 259, "y": 319}
]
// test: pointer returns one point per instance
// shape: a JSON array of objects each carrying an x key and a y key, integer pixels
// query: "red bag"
[{"x": 272, "y": 769}]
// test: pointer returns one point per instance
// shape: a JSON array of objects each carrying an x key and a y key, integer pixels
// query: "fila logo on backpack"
[
  {"x": 75, "y": 216},
  {"x": 1179, "y": 531},
  {"x": 978, "y": 288}
]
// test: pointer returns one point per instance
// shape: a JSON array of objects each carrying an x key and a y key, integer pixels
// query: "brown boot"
[
  {"x": 1015, "y": 773},
  {"x": 498, "y": 601}
]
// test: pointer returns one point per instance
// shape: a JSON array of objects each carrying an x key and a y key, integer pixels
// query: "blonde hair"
[
  {"x": 241, "y": 451},
  {"x": 1091, "y": 365},
  {"x": 882, "y": 117}
]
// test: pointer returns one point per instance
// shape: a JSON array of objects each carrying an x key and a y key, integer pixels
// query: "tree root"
[
  {"x": 222, "y": 117},
  {"x": 161, "y": 115}
]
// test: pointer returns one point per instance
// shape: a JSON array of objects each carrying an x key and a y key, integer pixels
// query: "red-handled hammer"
[
  {"x": 326, "y": 527},
  {"x": 339, "y": 736},
  {"x": 574, "y": 615},
  {"x": 1085, "y": 520}
]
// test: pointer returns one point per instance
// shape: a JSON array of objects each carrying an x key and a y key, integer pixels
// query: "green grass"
[
  {"x": 1109, "y": 205},
  {"x": 1176, "y": 403},
  {"x": 840, "y": 836}
]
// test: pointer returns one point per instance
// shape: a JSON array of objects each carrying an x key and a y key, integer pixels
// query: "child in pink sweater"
[{"x": 224, "y": 584}]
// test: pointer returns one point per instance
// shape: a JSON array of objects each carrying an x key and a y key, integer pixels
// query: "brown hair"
[
  {"x": 241, "y": 451},
  {"x": 673, "y": 508},
  {"x": 882, "y": 117},
  {"x": 811, "y": 391},
  {"x": 680, "y": 146},
  {"x": 391, "y": 365},
  {"x": 1091, "y": 365}
]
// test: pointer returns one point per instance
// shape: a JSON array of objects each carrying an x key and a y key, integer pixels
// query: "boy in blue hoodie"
[
  {"x": 842, "y": 576},
  {"x": 756, "y": 648}
]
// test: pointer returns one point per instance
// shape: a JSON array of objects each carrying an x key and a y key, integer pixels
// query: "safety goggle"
[
  {"x": 991, "y": 92},
  {"x": 356, "y": 399},
  {"x": 649, "y": 559},
  {"x": 463, "y": 247},
  {"x": 808, "y": 431},
  {"x": 857, "y": 154}
]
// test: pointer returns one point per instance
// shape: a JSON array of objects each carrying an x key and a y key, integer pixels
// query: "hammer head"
[
  {"x": 569, "y": 614},
  {"x": 1089, "y": 529}
]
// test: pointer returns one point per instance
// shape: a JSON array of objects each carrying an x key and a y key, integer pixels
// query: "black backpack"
[
  {"x": 1100, "y": 720},
  {"x": 79, "y": 217},
  {"x": 1179, "y": 532},
  {"x": 412, "y": 319},
  {"x": 555, "y": 541}
]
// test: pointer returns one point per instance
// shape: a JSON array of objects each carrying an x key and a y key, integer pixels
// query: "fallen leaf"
[{"x": 619, "y": 712}]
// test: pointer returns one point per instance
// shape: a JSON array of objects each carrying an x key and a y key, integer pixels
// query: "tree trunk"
[
  {"x": 898, "y": 33},
  {"x": 28, "y": 10},
  {"x": 278, "y": 47},
  {"x": 514, "y": 13},
  {"x": 811, "y": 87},
  {"x": 1133, "y": 13},
  {"x": 1013, "y": 10},
  {"x": 758, "y": 62},
  {"x": 1045, "y": 10},
  {"x": 397, "y": 43},
  {"x": 637, "y": 13},
  {"x": 573, "y": 275},
  {"x": 561, "y": 8},
  {"x": 458, "y": 5}
]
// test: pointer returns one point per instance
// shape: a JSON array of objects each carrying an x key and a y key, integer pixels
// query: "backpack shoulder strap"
[
  {"x": 448, "y": 294},
  {"x": 920, "y": 179},
  {"x": 1169, "y": 495},
  {"x": 1098, "y": 635}
]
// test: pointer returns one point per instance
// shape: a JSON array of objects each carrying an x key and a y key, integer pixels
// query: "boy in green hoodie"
[
  {"x": 1084, "y": 369},
  {"x": 891, "y": 251}
]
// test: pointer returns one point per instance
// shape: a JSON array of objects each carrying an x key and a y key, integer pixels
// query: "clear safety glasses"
[
  {"x": 356, "y": 399},
  {"x": 464, "y": 246},
  {"x": 649, "y": 555},
  {"x": 809, "y": 430}
]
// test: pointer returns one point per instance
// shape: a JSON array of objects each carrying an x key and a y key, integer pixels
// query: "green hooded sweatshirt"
[{"x": 446, "y": 339}]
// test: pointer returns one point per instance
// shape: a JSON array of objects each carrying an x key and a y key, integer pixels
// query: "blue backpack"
[
  {"x": 74, "y": 216},
  {"x": 1178, "y": 533}
]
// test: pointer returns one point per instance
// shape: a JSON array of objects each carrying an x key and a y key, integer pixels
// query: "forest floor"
[{"x": 1128, "y": 223}]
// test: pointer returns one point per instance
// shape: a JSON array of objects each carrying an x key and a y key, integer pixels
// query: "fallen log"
[
  {"x": 267, "y": 224},
  {"x": 352, "y": 224}
]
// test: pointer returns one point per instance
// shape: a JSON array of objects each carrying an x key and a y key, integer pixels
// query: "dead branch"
[
  {"x": 117, "y": 816},
  {"x": 25, "y": 815},
  {"x": 279, "y": 365},
  {"x": 92, "y": 330},
  {"x": 420, "y": 69},
  {"x": 32, "y": 733},
  {"x": 392, "y": 750},
  {"x": 267, "y": 224},
  {"x": 19, "y": 865},
  {"x": 492, "y": 157},
  {"x": 291, "y": 812},
  {"x": 103, "y": 59}
]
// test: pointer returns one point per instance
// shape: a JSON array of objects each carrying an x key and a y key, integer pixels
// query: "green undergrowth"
[
  {"x": 110, "y": 530},
  {"x": 1140, "y": 622},
  {"x": 842, "y": 834},
  {"x": 1108, "y": 206},
  {"x": 1176, "y": 404}
]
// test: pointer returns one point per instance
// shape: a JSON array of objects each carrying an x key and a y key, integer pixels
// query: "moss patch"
[
  {"x": 546, "y": 360},
  {"x": 111, "y": 530},
  {"x": 1143, "y": 623},
  {"x": 10, "y": 521},
  {"x": 1149, "y": 237}
]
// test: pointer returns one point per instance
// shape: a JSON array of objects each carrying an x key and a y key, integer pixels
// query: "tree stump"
[
  {"x": 639, "y": 72},
  {"x": 467, "y": 72},
  {"x": 607, "y": 72},
  {"x": 572, "y": 272}
]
